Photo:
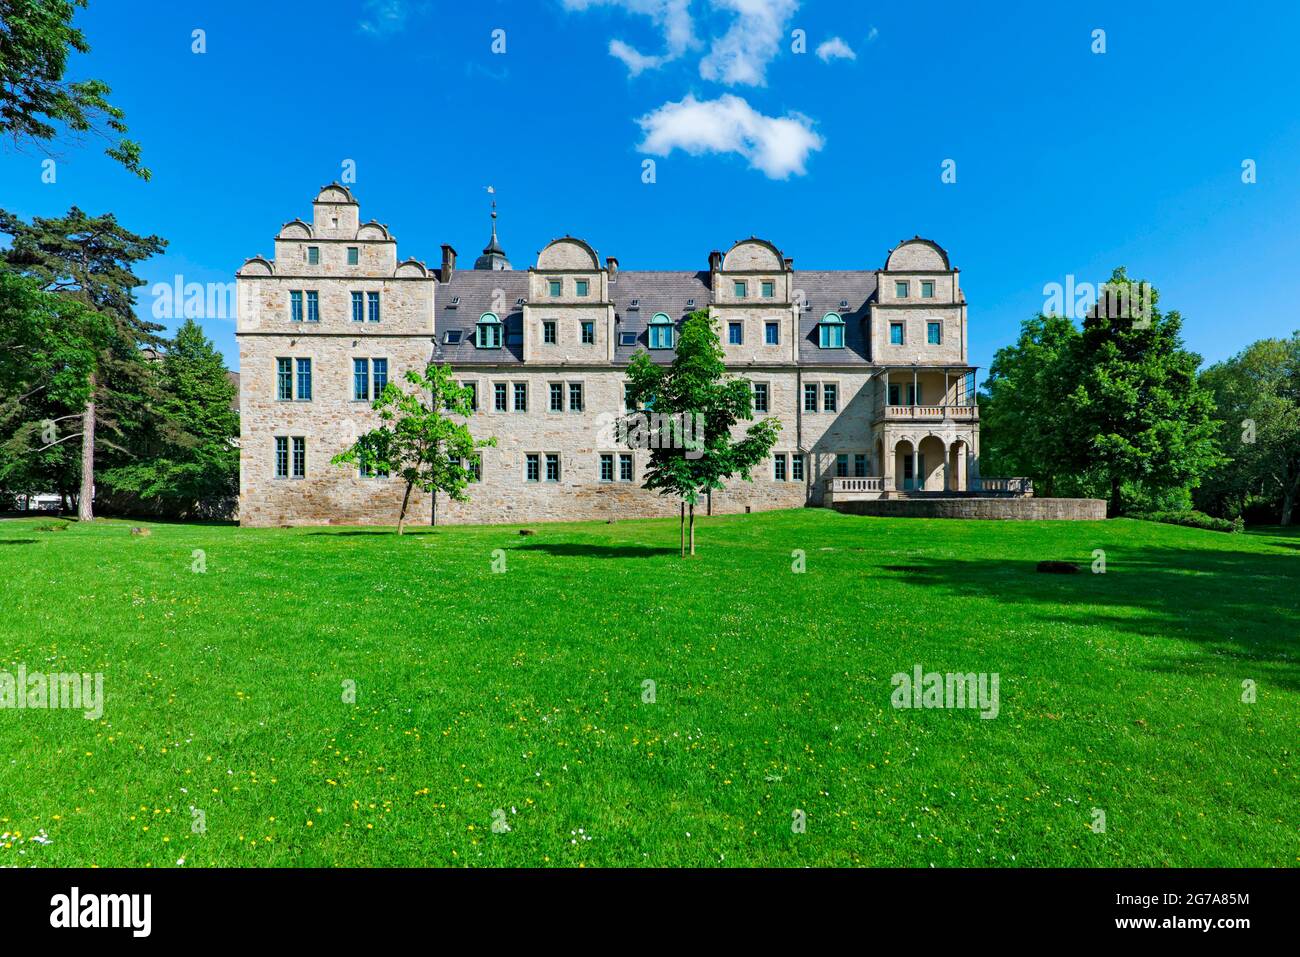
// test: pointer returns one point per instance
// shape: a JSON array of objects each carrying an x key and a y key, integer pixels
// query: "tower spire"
[{"x": 494, "y": 257}]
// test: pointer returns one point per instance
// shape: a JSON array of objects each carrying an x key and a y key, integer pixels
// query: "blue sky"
[{"x": 1068, "y": 162}]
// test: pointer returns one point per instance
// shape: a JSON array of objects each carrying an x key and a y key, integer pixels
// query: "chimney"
[
  {"x": 611, "y": 266},
  {"x": 789, "y": 264},
  {"x": 448, "y": 263},
  {"x": 715, "y": 261}
]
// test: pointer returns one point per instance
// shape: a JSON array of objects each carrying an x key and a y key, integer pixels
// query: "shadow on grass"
[
  {"x": 389, "y": 532},
  {"x": 576, "y": 550},
  {"x": 17, "y": 541},
  {"x": 1233, "y": 604}
]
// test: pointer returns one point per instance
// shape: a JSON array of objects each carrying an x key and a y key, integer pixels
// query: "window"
[
  {"x": 778, "y": 467},
  {"x": 627, "y": 338},
  {"x": 284, "y": 379},
  {"x": 372, "y": 306},
  {"x": 379, "y": 373},
  {"x": 760, "y": 396},
  {"x": 313, "y": 255},
  {"x": 769, "y": 289},
  {"x": 772, "y": 333},
  {"x": 354, "y": 255},
  {"x": 555, "y": 287},
  {"x": 625, "y": 467},
  {"x": 588, "y": 333},
  {"x": 606, "y": 467},
  {"x": 358, "y": 307},
  {"x": 499, "y": 396},
  {"x": 934, "y": 333},
  {"x": 295, "y": 305},
  {"x": 360, "y": 380},
  {"x": 859, "y": 465},
  {"x": 557, "y": 397},
  {"x": 304, "y": 380},
  {"x": 830, "y": 397},
  {"x": 475, "y": 465},
  {"x": 552, "y": 466},
  {"x": 364, "y": 471},
  {"x": 810, "y": 397},
  {"x": 299, "y": 457},
  {"x": 831, "y": 332},
  {"x": 451, "y": 337},
  {"x": 895, "y": 333},
  {"x": 313, "y": 306},
  {"x": 281, "y": 456},
  {"x": 521, "y": 396},
  {"x": 895, "y": 394},
  {"x": 927, "y": 288},
  {"x": 473, "y": 394},
  {"x": 796, "y": 466},
  {"x": 549, "y": 336},
  {"x": 661, "y": 332},
  {"x": 738, "y": 287},
  {"x": 914, "y": 393},
  {"x": 575, "y": 396},
  {"x": 841, "y": 466},
  {"x": 627, "y": 398},
  {"x": 580, "y": 287},
  {"x": 735, "y": 333},
  {"x": 489, "y": 331},
  {"x": 532, "y": 467},
  {"x": 900, "y": 289}
]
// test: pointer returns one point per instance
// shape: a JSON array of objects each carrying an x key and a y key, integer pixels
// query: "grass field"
[{"x": 523, "y": 691}]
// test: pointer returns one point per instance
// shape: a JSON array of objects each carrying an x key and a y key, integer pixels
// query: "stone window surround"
[
  {"x": 767, "y": 397},
  {"x": 821, "y": 385},
  {"x": 293, "y": 379},
  {"x": 306, "y": 457},
  {"x": 370, "y": 379}
]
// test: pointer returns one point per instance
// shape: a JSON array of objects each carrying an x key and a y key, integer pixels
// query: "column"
[{"x": 916, "y": 465}]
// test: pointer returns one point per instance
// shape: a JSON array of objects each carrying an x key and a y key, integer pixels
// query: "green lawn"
[{"x": 522, "y": 691}]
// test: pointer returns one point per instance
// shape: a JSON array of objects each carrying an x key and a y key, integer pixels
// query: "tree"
[
  {"x": 694, "y": 408},
  {"x": 90, "y": 259},
  {"x": 36, "y": 37},
  {"x": 195, "y": 465},
  {"x": 1257, "y": 395},
  {"x": 418, "y": 441},
  {"x": 1138, "y": 411}
]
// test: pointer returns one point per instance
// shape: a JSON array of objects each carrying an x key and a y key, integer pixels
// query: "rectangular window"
[
  {"x": 914, "y": 394},
  {"x": 895, "y": 395},
  {"x": 661, "y": 336},
  {"x": 606, "y": 467},
  {"x": 738, "y": 287},
  {"x": 627, "y": 398},
  {"x": 499, "y": 396},
  {"x": 548, "y": 332},
  {"x": 927, "y": 288},
  {"x": 281, "y": 457},
  {"x": 313, "y": 255},
  {"x": 304, "y": 380},
  {"x": 284, "y": 379},
  {"x": 575, "y": 396},
  {"x": 778, "y": 467},
  {"x": 830, "y": 397},
  {"x": 588, "y": 333},
  {"x": 760, "y": 396},
  {"x": 313, "y": 306},
  {"x": 625, "y": 467},
  {"x": 769, "y": 289},
  {"x": 557, "y": 397},
  {"x": 360, "y": 380},
  {"x": 735, "y": 333},
  {"x": 859, "y": 465},
  {"x": 796, "y": 466},
  {"x": 772, "y": 333},
  {"x": 580, "y": 287},
  {"x": 473, "y": 394},
  {"x": 810, "y": 397},
  {"x": 841, "y": 466},
  {"x": 295, "y": 305},
  {"x": 895, "y": 333},
  {"x": 475, "y": 466},
  {"x": 354, "y": 255},
  {"x": 372, "y": 304},
  {"x": 379, "y": 373},
  {"x": 299, "y": 457},
  {"x": 555, "y": 286},
  {"x": 934, "y": 333},
  {"x": 552, "y": 466},
  {"x": 521, "y": 396},
  {"x": 900, "y": 289},
  {"x": 358, "y": 307},
  {"x": 627, "y": 338},
  {"x": 532, "y": 467},
  {"x": 832, "y": 336}
]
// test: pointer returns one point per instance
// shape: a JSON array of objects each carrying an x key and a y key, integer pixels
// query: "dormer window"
[
  {"x": 489, "y": 331},
  {"x": 661, "y": 332},
  {"x": 830, "y": 331}
]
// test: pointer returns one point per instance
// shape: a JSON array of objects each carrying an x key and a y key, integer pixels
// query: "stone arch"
[
  {"x": 335, "y": 193},
  {"x": 373, "y": 230},
  {"x": 568, "y": 252},
  {"x": 917, "y": 255},
  {"x": 296, "y": 229},
  {"x": 753, "y": 254},
  {"x": 257, "y": 266}
]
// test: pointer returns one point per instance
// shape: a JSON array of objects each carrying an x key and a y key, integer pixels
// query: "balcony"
[{"x": 928, "y": 413}]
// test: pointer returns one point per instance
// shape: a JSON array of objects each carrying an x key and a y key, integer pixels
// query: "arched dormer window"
[
  {"x": 830, "y": 331},
  {"x": 661, "y": 332},
  {"x": 489, "y": 331}
]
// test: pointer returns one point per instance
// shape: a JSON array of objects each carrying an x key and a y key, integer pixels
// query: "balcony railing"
[
  {"x": 870, "y": 484},
  {"x": 957, "y": 413},
  {"x": 1003, "y": 486}
]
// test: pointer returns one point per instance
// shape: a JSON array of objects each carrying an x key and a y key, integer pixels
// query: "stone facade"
[
  {"x": 865, "y": 370},
  {"x": 1010, "y": 509}
]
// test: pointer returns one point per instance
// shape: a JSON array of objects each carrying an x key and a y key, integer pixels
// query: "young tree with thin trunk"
[
  {"x": 418, "y": 439},
  {"x": 694, "y": 407}
]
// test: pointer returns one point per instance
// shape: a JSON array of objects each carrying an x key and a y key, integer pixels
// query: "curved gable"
[
  {"x": 295, "y": 229},
  {"x": 568, "y": 253},
  {"x": 917, "y": 254},
  {"x": 334, "y": 193},
  {"x": 753, "y": 254}
]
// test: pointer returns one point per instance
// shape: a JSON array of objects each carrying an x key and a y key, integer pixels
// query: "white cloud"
[
  {"x": 384, "y": 17},
  {"x": 835, "y": 49},
  {"x": 672, "y": 17},
  {"x": 741, "y": 55},
  {"x": 777, "y": 145}
]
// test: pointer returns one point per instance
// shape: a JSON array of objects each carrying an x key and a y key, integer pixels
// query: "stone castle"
[{"x": 866, "y": 370}]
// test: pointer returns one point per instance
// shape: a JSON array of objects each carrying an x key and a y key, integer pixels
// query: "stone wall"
[{"x": 1072, "y": 509}]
